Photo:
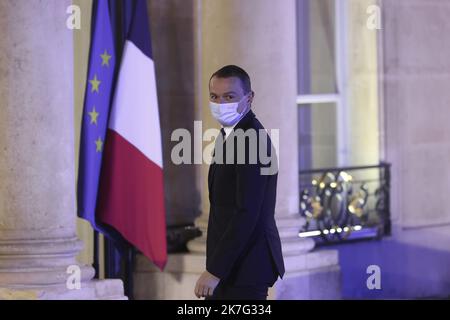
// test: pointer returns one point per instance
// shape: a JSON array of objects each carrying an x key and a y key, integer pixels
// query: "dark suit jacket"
[{"x": 243, "y": 244}]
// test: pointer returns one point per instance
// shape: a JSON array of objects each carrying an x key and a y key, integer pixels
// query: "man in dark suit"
[{"x": 244, "y": 256}]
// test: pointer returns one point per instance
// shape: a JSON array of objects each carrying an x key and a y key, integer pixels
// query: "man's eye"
[{"x": 230, "y": 97}]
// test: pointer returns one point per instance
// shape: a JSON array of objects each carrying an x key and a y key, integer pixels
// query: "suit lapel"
[{"x": 212, "y": 168}]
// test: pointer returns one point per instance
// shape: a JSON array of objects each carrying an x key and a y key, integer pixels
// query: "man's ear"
[{"x": 252, "y": 95}]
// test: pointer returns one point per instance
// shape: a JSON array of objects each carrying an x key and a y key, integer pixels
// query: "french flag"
[{"x": 131, "y": 195}]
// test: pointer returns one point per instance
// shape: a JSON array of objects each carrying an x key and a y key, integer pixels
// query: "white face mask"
[{"x": 226, "y": 113}]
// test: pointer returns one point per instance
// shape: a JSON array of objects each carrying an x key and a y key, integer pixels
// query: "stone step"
[
  {"x": 295, "y": 245},
  {"x": 290, "y": 221}
]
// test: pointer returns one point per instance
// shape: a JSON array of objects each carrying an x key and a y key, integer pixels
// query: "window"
[{"x": 322, "y": 65}]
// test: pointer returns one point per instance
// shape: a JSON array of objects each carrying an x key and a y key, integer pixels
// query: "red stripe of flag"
[{"x": 131, "y": 197}]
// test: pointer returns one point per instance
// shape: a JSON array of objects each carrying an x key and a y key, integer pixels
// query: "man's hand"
[{"x": 206, "y": 284}]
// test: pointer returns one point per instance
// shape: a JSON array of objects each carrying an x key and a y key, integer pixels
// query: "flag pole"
[
  {"x": 129, "y": 271},
  {"x": 96, "y": 256}
]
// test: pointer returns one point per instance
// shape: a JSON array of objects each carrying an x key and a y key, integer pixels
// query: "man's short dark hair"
[{"x": 234, "y": 71}]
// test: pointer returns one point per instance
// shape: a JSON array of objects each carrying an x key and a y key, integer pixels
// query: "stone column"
[{"x": 37, "y": 194}]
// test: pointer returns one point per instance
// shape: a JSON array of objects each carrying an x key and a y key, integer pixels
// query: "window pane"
[
  {"x": 317, "y": 136},
  {"x": 316, "y": 46}
]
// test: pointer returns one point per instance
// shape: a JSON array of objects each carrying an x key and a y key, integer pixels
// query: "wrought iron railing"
[{"x": 342, "y": 204}]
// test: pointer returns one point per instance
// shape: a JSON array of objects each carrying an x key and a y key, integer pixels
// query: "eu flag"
[
  {"x": 120, "y": 181},
  {"x": 96, "y": 112}
]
